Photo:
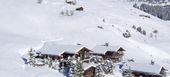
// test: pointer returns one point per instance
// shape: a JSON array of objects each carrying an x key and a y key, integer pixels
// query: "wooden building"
[
  {"x": 81, "y": 52},
  {"x": 109, "y": 52},
  {"x": 89, "y": 70},
  {"x": 57, "y": 51},
  {"x": 145, "y": 70},
  {"x": 45, "y": 56}
]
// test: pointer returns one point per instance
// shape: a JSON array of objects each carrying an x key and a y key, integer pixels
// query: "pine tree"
[
  {"x": 128, "y": 73},
  {"x": 72, "y": 62},
  {"x": 99, "y": 71},
  {"x": 49, "y": 62},
  {"x": 110, "y": 65},
  {"x": 76, "y": 67},
  {"x": 31, "y": 56},
  {"x": 79, "y": 69}
]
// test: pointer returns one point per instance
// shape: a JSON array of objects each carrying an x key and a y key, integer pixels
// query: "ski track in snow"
[{"x": 153, "y": 51}]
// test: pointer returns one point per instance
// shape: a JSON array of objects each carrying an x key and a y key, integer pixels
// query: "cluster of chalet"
[
  {"x": 115, "y": 53},
  {"x": 59, "y": 51}
]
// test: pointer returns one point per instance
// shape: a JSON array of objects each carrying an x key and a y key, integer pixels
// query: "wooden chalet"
[
  {"x": 145, "y": 70},
  {"x": 109, "y": 52},
  {"x": 57, "y": 51},
  {"x": 89, "y": 70}
]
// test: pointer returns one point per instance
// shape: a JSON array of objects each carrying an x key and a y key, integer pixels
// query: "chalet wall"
[
  {"x": 90, "y": 72},
  {"x": 137, "y": 74},
  {"x": 84, "y": 53}
]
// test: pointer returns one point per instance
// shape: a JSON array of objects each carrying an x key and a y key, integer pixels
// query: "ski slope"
[{"x": 25, "y": 24}]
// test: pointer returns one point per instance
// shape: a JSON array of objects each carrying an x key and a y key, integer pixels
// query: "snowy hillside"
[{"x": 25, "y": 24}]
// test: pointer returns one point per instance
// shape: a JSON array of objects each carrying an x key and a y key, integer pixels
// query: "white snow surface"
[{"x": 26, "y": 24}]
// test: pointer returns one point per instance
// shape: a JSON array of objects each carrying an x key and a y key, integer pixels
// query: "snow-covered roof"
[
  {"x": 146, "y": 68},
  {"x": 57, "y": 49},
  {"x": 88, "y": 65},
  {"x": 101, "y": 49}
]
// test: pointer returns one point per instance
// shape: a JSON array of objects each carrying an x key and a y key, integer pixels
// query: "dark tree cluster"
[{"x": 162, "y": 12}]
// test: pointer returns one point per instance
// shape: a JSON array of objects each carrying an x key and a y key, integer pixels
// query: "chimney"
[
  {"x": 152, "y": 62},
  {"x": 79, "y": 44},
  {"x": 106, "y": 44}
]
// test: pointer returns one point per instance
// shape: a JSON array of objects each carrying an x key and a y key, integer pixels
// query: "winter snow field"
[{"x": 25, "y": 24}]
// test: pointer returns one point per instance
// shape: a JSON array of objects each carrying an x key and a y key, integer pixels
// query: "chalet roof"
[
  {"x": 145, "y": 68},
  {"x": 57, "y": 49},
  {"x": 88, "y": 65},
  {"x": 101, "y": 49}
]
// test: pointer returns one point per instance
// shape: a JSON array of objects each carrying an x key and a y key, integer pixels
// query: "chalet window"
[
  {"x": 120, "y": 52},
  {"x": 87, "y": 54}
]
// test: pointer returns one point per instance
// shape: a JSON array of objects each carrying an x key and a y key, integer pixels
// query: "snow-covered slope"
[{"x": 25, "y": 24}]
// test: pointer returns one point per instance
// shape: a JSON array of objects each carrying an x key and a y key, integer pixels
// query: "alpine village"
[{"x": 80, "y": 61}]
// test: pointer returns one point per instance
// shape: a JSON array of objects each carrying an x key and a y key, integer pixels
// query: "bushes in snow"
[
  {"x": 151, "y": 35},
  {"x": 70, "y": 12},
  {"x": 127, "y": 34},
  {"x": 134, "y": 27},
  {"x": 100, "y": 27},
  {"x": 143, "y": 32},
  {"x": 79, "y": 9},
  {"x": 71, "y": 2},
  {"x": 135, "y": 6},
  {"x": 103, "y": 20},
  {"x": 139, "y": 29},
  {"x": 39, "y": 1},
  {"x": 155, "y": 31},
  {"x": 67, "y": 12}
]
